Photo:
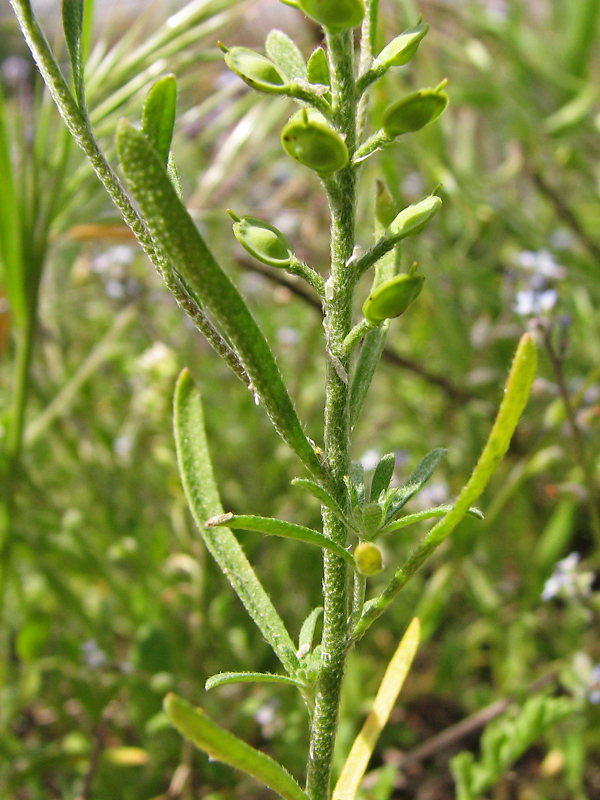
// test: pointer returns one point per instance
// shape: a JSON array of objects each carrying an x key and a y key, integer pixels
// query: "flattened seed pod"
[
  {"x": 412, "y": 219},
  {"x": 401, "y": 49},
  {"x": 257, "y": 71},
  {"x": 414, "y": 111},
  {"x": 263, "y": 241},
  {"x": 393, "y": 297},
  {"x": 368, "y": 558},
  {"x": 310, "y": 139},
  {"x": 336, "y": 15}
]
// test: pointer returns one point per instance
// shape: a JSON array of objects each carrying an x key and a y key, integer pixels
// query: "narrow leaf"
[
  {"x": 247, "y": 677},
  {"x": 307, "y": 631},
  {"x": 284, "y": 53},
  {"x": 364, "y": 744},
  {"x": 158, "y": 116},
  {"x": 421, "y": 474},
  {"x": 11, "y": 247},
  {"x": 382, "y": 476},
  {"x": 278, "y": 527},
  {"x": 201, "y": 491},
  {"x": 220, "y": 745},
  {"x": 175, "y": 232},
  {"x": 72, "y": 15},
  {"x": 323, "y": 497},
  {"x": 428, "y": 513},
  {"x": 369, "y": 356}
]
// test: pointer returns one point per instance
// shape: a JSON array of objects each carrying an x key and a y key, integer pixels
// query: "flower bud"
[
  {"x": 368, "y": 558},
  {"x": 412, "y": 219},
  {"x": 401, "y": 49},
  {"x": 310, "y": 139},
  {"x": 414, "y": 111},
  {"x": 393, "y": 297},
  {"x": 257, "y": 71},
  {"x": 262, "y": 241},
  {"x": 335, "y": 15}
]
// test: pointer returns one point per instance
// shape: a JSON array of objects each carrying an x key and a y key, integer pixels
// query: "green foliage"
[
  {"x": 111, "y": 598},
  {"x": 504, "y": 741}
]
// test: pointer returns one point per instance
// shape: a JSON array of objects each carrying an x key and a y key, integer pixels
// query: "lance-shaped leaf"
[
  {"x": 323, "y": 497},
  {"x": 220, "y": 745},
  {"x": 366, "y": 364},
  {"x": 278, "y": 527},
  {"x": 516, "y": 393},
  {"x": 175, "y": 232},
  {"x": 382, "y": 476},
  {"x": 286, "y": 56},
  {"x": 201, "y": 491},
  {"x": 224, "y": 678},
  {"x": 364, "y": 744},
  {"x": 158, "y": 116},
  {"x": 421, "y": 474},
  {"x": 427, "y": 513},
  {"x": 72, "y": 15},
  {"x": 307, "y": 631}
]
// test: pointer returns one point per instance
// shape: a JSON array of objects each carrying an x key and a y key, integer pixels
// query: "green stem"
[{"x": 341, "y": 192}]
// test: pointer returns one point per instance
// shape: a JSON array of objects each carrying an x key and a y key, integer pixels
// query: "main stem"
[{"x": 341, "y": 192}]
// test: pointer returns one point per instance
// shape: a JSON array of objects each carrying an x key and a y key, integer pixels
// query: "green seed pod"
[
  {"x": 412, "y": 219},
  {"x": 414, "y": 111},
  {"x": 368, "y": 558},
  {"x": 257, "y": 71},
  {"x": 393, "y": 297},
  {"x": 401, "y": 49},
  {"x": 335, "y": 15},
  {"x": 262, "y": 241},
  {"x": 310, "y": 139}
]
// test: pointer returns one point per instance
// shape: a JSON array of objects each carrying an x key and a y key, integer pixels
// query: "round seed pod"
[
  {"x": 335, "y": 15},
  {"x": 401, "y": 49},
  {"x": 392, "y": 298},
  {"x": 257, "y": 71},
  {"x": 368, "y": 558},
  {"x": 414, "y": 111},
  {"x": 310, "y": 139},
  {"x": 263, "y": 241}
]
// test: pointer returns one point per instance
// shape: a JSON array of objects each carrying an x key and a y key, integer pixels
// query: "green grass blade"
[
  {"x": 72, "y": 15},
  {"x": 202, "y": 494},
  {"x": 11, "y": 247},
  {"x": 158, "y": 116},
  {"x": 174, "y": 230},
  {"x": 279, "y": 527},
  {"x": 220, "y": 745},
  {"x": 224, "y": 678}
]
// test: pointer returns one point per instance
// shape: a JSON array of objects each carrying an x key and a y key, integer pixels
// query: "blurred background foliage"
[{"x": 110, "y": 599}]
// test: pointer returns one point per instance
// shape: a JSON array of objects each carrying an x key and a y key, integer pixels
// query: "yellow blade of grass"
[{"x": 364, "y": 744}]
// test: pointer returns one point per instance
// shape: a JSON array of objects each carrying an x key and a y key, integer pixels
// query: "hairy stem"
[{"x": 341, "y": 192}]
